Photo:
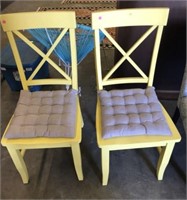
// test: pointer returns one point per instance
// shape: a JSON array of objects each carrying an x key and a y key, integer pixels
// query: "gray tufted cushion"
[
  {"x": 131, "y": 112},
  {"x": 44, "y": 114}
]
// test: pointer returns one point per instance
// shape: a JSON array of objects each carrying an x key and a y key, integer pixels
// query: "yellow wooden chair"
[
  {"x": 131, "y": 118},
  {"x": 43, "y": 119}
]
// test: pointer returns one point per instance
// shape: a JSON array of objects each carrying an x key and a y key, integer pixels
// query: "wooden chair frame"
[
  {"x": 157, "y": 19},
  {"x": 13, "y": 24}
]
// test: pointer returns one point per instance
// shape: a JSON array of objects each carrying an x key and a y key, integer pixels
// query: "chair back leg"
[
  {"x": 105, "y": 160},
  {"x": 75, "y": 148},
  {"x": 19, "y": 163},
  {"x": 164, "y": 158}
]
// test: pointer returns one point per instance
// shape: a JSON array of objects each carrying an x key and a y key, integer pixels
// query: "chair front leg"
[
  {"x": 164, "y": 158},
  {"x": 19, "y": 163},
  {"x": 105, "y": 160},
  {"x": 75, "y": 148}
]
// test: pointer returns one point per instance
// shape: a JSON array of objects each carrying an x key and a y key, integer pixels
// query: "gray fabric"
[
  {"x": 44, "y": 114},
  {"x": 183, "y": 112},
  {"x": 131, "y": 112},
  {"x": 182, "y": 100},
  {"x": 184, "y": 84}
]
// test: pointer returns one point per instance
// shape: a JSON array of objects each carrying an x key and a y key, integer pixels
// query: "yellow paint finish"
[
  {"x": 13, "y": 24},
  {"x": 156, "y": 18}
]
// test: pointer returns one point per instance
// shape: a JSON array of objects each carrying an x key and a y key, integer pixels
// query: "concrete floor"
[{"x": 52, "y": 174}]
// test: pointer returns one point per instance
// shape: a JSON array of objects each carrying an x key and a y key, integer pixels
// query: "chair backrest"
[
  {"x": 154, "y": 18},
  {"x": 15, "y": 25}
]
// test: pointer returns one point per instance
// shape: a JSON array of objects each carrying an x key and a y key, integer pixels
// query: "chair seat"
[
  {"x": 44, "y": 114},
  {"x": 131, "y": 112}
]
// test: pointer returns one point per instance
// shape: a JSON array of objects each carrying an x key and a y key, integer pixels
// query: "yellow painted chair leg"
[
  {"x": 164, "y": 158},
  {"x": 23, "y": 151},
  {"x": 19, "y": 163},
  {"x": 105, "y": 159},
  {"x": 77, "y": 160},
  {"x": 82, "y": 122}
]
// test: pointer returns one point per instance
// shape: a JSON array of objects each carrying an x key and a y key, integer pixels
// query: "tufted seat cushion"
[
  {"x": 44, "y": 114},
  {"x": 131, "y": 112}
]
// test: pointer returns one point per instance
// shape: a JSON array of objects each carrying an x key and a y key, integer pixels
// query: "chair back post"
[
  {"x": 98, "y": 60},
  {"x": 74, "y": 60},
  {"x": 155, "y": 55}
]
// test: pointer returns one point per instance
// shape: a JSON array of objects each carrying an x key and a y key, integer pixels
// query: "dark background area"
[
  {"x": 4, "y": 4},
  {"x": 172, "y": 54}
]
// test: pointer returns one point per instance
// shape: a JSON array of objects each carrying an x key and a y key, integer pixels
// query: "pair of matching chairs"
[{"x": 125, "y": 118}]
